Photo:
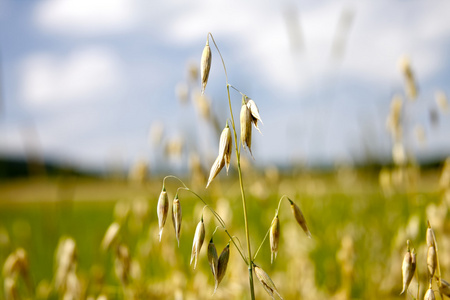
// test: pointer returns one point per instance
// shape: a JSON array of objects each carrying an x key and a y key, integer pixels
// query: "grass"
[{"x": 36, "y": 215}]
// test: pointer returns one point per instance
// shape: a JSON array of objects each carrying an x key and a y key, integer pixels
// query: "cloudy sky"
[{"x": 87, "y": 81}]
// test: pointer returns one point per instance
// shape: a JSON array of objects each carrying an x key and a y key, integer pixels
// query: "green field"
[{"x": 359, "y": 233}]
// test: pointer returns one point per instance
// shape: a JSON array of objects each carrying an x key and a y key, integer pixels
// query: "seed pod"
[
  {"x": 299, "y": 217},
  {"x": 10, "y": 288},
  {"x": 430, "y": 236},
  {"x": 215, "y": 169},
  {"x": 225, "y": 146},
  {"x": 176, "y": 217},
  {"x": 254, "y": 113},
  {"x": 444, "y": 288},
  {"x": 222, "y": 264},
  {"x": 431, "y": 261},
  {"x": 213, "y": 260},
  {"x": 274, "y": 237},
  {"x": 122, "y": 263},
  {"x": 162, "y": 210},
  {"x": 110, "y": 236},
  {"x": 205, "y": 65},
  {"x": 408, "y": 268},
  {"x": 246, "y": 127},
  {"x": 199, "y": 237},
  {"x": 429, "y": 295},
  {"x": 266, "y": 282}
]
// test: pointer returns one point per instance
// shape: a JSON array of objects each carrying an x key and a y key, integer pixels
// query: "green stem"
[{"x": 241, "y": 184}]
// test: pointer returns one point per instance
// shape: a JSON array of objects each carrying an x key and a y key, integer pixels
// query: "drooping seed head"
[
  {"x": 199, "y": 237},
  {"x": 408, "y": 268},
  {"x": 110, "y": 237},
  {"x": 162, "y": 210},
  {"x": 429, "y": 295},
  {"x": 222, "y": 264},
  {"x": 299, "y": 217},
  {"x": 205, "y": 65},
  {"x": 430, "y": 236},
  {"x": 176, "y": 217},
  {"x": 444, "y": 288},
  {"x": 441, "y": 101},
  {"x": 215, "y": 169},
  {"x": 225, "y": 146},
  {"x": 274, "y": 237},
  {"x": 405, "y": 66},
  {"x": 213, "y": 259},
  {"x": 122, "y": 263},
  {"x": 431, "y": 261},
  {"x": 266, "y": 282},
  {"x": 246, "y": 127},
  {"x": 254, "y": 111}
]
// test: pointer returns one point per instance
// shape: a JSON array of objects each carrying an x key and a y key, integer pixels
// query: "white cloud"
[
  {"x": 85, "y": 17},
  {"x": 84, "y": 74}
]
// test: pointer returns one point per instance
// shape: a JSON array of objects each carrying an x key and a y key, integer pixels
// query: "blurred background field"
[
  {"x": 359, "y": 230},
  {"x": 100, "y": 100}
]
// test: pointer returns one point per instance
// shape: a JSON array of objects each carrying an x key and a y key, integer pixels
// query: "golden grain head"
[
  {"x": 429, "y": 295},
  {"x": 441, "y": 101},
  {"x": 431, "y": 238},
  {"x": 266, "y": 282},
  {"x": 111, "y": 236},
  {"x": 274, "y": 237},
  {"x": 215, "y": 169},
  {"x": 222, "y": 263},
  {"x": 431, "y": 260},
  {"x": 205, "y": 65},
  {"x": 407, "y": 269},
  {"x": 122, "y": 263},
  {"x": 299, "y": 217},
  {"x": 213, "y": 259},
  {"x": 176, "y": 217},
  {"x": 225, "y": 145},
  {"x": 254, "y": 112},
  {"x": 246, "y": 127},
  {"x": 162, "y": 210},
  {"x": 199, "y": 237}
]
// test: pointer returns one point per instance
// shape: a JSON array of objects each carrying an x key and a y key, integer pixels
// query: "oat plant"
[{"x": 249, "y": 116}]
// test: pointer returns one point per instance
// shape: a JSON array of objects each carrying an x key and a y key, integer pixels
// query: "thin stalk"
[{"x": 241, "y": 184}]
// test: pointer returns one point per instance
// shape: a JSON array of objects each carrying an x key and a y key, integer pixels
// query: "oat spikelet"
[
  {"x": 274, "y": 238},
  {"x": 224, "y": 156},
  {"x": 176, "y": 217},
  {"x": 162, "y": 210},
  {"x": 213, "y": 260},
  {"x": 431, "y": 237},
  {"x": 246, "y": 127},
  {"x": 122, "y": 264},
  {"x": 205, "y": 65},
  {"x": 299, "y": 217},
  {"x": 431, "y": 261},
  {"x": 225, "y": 146},
  {"x": 411, "y": 87},
  {"x": 199, "y": 237},
  {"x": 429, "y": 295},
  {"x": 254, "y": 113},
  {"x": 111, "y": 236},
  {"x": 222, "y": 264},
  {"x": 266, "y": 282},
  {"x": 215, "y": 169},
  {"x": 408, "y": 268}
]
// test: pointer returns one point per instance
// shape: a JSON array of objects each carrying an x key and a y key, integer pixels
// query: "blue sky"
[{"x": 85, "y": 82}]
